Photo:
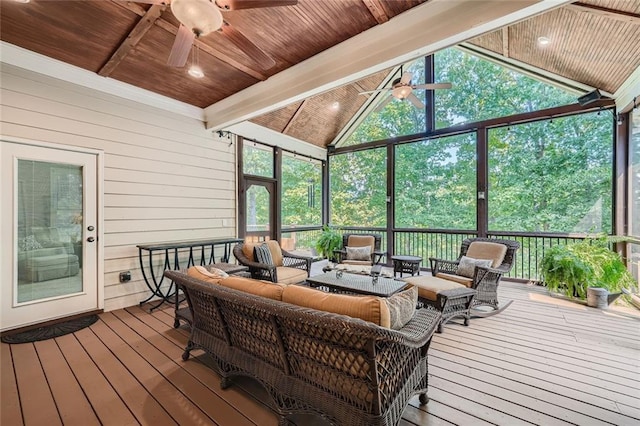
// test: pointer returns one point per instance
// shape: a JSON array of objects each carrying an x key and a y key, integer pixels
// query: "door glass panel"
[
  {"x": 258, "y": 209},
  {"x": 49, "y": 222}
]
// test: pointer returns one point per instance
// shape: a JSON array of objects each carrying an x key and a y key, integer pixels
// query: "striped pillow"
[{"x": 262, "y": 254}]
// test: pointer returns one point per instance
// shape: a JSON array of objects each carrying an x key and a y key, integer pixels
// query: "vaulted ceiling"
[{"x": 595, "y": 45}]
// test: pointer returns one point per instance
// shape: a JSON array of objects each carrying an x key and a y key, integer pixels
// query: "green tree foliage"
[
  {"x": 547, "y": 176},
  {"x": 552, "y": 176},
  {"x": 435, "y": 183},
  {"x": 483, "y": 90},
  {"x": 358, "y": 188},
  {"x": 301, "y": 191}
]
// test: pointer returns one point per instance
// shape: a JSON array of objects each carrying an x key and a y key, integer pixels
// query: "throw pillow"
[
  {"x": 359, "y": 253},
  {"x": 29, "y": 243},
  {"x": 216, "y": 272},
  {"x": 262, "y": 254},
  {"x": 467, "y": 266},
  {"x": 402, "y": 306},
  {"x": 201, "y": 273}
]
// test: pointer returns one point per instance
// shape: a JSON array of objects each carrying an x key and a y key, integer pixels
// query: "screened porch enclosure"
[{"x": 516, "y": 159}]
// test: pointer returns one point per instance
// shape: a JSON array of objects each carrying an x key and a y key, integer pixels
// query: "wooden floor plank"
[
  {"x": 481, "y": 409},
  {"x": 489, "y": 396},
  {"x": 619, "y": 372},
  {"x": 533, "y": 369},
  {"x": 10, "y": 413},
  {"x": 141, "y": 403},
  {"x": 564, "y": 398},
  {"x": 104, "y": 400},
  {"x": 445, "y": 406},
  {"x": 176, "y": 404},
  {"x": 36, "y": 400},
  {"x": 209, "y": 402},
  {"x": 153, "y": 330},
  {"x": 73, "y": 406}
]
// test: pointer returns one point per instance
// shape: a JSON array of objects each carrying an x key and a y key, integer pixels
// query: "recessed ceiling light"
[
  {"x": 335, "y": 106},
  {"x": 195, "y": 71},
  {"x": 543, "y": 41}
]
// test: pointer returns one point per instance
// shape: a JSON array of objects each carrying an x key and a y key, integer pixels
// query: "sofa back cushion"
[
  {"x": 486, "y": 250},
  {"x": 368, "y": 308},
  {"x": 259, "y": 288}
]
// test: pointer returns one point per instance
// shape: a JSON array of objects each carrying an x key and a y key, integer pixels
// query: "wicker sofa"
[{"x": 349, "y": 371}]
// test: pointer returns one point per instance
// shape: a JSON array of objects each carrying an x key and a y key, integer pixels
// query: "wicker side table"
[
  {"x": 184, "y": 313},
  {"x": 408, "y": 264}
]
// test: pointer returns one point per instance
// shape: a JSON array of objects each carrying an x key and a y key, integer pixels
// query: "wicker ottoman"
[{"x": 450, "y": 298}]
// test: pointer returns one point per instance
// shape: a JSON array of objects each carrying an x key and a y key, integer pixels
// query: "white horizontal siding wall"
[{"x": 166, "y": 177}]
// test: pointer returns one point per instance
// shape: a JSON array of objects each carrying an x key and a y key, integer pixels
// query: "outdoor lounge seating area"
[
  {"x": 543, "y": 361},
  {"x": 320, "y": 212}
]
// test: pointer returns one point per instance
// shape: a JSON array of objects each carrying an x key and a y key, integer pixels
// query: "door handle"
[{"x": 91, "y": 239}]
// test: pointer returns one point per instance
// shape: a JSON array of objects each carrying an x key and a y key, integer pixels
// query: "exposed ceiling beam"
[
  {"x": 628, "y": 91},
  {"x": 132, "y": 39},
  {"x": 618, "y": 15},
  {"x": 505, "y": 42},
  {"x": 421, "y": 30},
  {"x": 294, "y": 116},
  {"x": 218, "y": 54},
  {"x": 376, "y": 9}
]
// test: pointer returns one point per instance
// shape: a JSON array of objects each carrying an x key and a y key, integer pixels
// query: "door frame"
[
  {"x": 270, "y": 185},
  {"x": 99, "y": 154}
]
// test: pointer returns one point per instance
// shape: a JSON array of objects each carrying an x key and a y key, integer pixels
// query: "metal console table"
[{"x": 198, "y": 255}]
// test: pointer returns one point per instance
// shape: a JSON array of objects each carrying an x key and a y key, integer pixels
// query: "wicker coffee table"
[{"x": 359, "y": 284}]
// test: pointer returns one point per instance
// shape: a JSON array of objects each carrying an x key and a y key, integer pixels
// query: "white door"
[{"x": 48, "y": 233}]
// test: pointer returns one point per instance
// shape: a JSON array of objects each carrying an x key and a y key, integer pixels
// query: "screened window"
[
  {"x": 397, "y": 117},
  {"x": 257, "y": 159},
  {"x": 358, "y": 188},
  {"x": 436, "y": 183},
  {"x": 301, "y": 191},
  {"x": 482, "y": 90},
  {"x": 552, "y": 176}
]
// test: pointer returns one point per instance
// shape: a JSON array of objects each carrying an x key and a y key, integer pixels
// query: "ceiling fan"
[
  {"x": 201, "y": 17},
  {"x": 402, "y": 89}
]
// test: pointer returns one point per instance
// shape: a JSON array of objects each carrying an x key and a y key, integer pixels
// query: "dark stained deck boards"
[
  {"x": 541, "y": 361},
  {"x": 35, "y": 396},
  {"x": 10, "y": 413},
  {"x": 67, "y": 394}
]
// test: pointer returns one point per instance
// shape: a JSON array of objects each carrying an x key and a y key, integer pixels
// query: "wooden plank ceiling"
[{"x": 594, "y": 42}]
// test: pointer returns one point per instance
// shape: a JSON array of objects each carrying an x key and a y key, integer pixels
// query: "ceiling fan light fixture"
[
  {"x": 401, "y": 92},
  {"x": 195, "y": 71},
  {"x": 200, "y": 16}
]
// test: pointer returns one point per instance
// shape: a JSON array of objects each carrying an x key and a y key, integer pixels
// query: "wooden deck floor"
[{"x": 542, "y": 361}]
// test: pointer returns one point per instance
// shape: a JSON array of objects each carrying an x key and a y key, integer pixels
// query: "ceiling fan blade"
[
  {"x": 406, "y": 78},
  {"x": 252, "y": 4},
  {"x": 251, "y": 50},
  {"x": 415, "y": 101},
  {"x": 385, "y": 89},
  {"x": 383, "y": 103},
  {"x": 181, "y": 47},
  {"x": 433, "y": 86}
]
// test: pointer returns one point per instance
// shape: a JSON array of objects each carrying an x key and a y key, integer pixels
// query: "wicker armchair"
[
  {"x": 287, "y": 268},
  {"x": 360, "y": 240},
  {"x": 485, "y": 280}
]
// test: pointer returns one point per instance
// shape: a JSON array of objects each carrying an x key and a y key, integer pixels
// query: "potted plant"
[
  {"x": 573, "y": 268},
  {"x": 328, "y": 241}
]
